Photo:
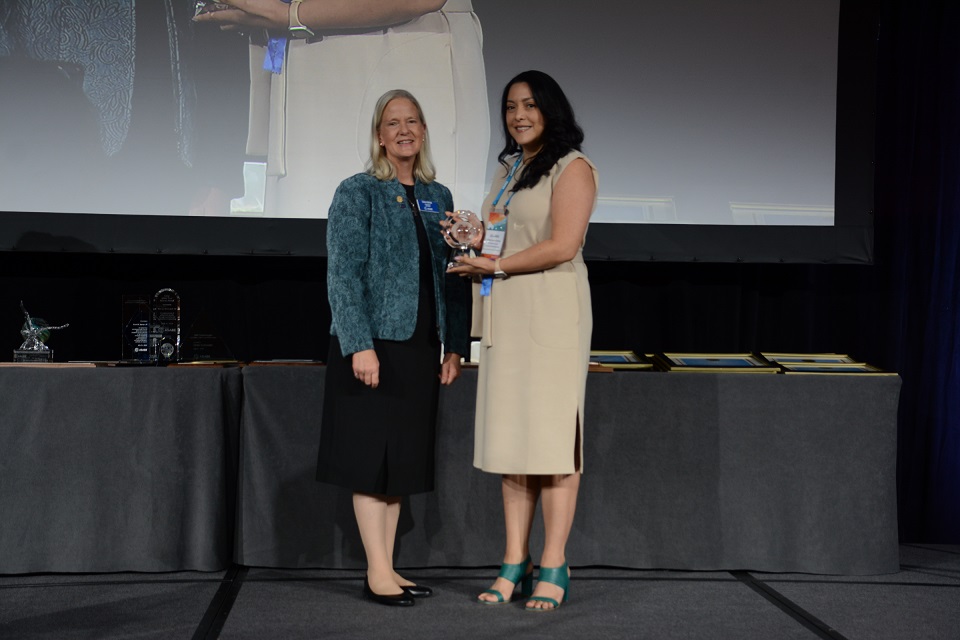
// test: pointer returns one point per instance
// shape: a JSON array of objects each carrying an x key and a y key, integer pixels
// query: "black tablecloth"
[
  {"x": 793, "y": 473},
  {"x": 117, "y": 469}
]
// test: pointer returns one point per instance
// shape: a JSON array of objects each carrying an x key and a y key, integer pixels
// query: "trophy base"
[
  {"x": 458, "y": 253},
  {"x": 27, "y": 355}
]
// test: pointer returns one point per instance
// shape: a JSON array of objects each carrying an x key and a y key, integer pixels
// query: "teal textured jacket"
[{"x": 373, "y": 268}]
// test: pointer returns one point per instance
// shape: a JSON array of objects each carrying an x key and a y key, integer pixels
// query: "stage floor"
[{"x": 918, "y": 602}]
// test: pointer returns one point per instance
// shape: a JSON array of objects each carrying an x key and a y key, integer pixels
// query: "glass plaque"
[
  {"x": 165, "y": 326},
  {"x": 203, "y": 343},
  {"x": 135, "y": 327}
]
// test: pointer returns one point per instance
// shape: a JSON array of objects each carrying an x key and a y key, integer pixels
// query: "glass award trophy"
[
  {"x": 165, "y": 326},
  {"x": 35, "y": 332},
  {"x": 460, "y": 232}
]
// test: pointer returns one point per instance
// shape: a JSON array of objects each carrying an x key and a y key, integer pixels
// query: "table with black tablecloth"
[
  {"x": 117, "y": 468},
  {"x": 766, "y": 472}
]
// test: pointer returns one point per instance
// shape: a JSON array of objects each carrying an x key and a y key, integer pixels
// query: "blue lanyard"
[
  {"x": 506, "y": 182},
  {"x": 486, "y": 282}
]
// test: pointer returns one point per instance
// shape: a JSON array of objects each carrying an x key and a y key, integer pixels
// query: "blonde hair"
[{"x": 379, "y": 166}]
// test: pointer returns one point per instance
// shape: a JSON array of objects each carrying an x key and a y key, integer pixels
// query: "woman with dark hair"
[
  {"x": 535, "y": 320},
  {"x": 392, "y": 304}
]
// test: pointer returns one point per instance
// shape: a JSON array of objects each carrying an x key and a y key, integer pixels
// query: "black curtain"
[{"x": 918, "y": 207}]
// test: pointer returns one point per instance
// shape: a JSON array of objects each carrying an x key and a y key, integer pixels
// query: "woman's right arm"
[{"x": 348, "y": 248}]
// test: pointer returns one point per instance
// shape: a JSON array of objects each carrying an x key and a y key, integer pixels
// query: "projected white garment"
[{"x": 312, "y": 120}]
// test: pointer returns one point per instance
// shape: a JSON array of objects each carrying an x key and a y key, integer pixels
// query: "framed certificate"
[
  {"x": 833, "y": 368},
  {"x": 620, "y": 360},
  {"x": 808, "y": 357},
  {"x": 715, "y": 362}
]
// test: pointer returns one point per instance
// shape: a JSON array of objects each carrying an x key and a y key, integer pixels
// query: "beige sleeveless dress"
[{"x": 535, "y": 348}]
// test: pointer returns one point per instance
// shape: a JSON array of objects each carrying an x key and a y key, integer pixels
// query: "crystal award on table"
[
  {"x": 460, "y": 232},
  {"x": 135, "y": 320},
  {"x": 165, "y": 326},
  {"x": 202, "y": 342},
  {"x": 35, "y": 334}
]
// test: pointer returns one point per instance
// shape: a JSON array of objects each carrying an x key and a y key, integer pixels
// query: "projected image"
[
  {"x": 312, "y": 98},
  {"x": 697, "y": 112},
  {"x": 110, "y": 106},
  {"x": 162, "y": 94}
]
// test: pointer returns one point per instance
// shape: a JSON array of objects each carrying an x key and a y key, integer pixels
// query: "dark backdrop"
[{"x": 900, "y": 313}]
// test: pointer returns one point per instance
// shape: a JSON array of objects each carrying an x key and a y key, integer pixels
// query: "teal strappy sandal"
[
  {"x": 515, "y": 574},
  {"x": 559, "y": 576}
]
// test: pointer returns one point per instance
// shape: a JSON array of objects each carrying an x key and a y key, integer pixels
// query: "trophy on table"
[
  {"x": 35, "y": 334},
  {"x": 165, "y": 326},
  {"x": 460, "y": 232},
  {"x": 136, "y": 317}
]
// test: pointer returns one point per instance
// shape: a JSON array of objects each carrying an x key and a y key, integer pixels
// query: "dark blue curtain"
[{"x": 918, "y": 235}]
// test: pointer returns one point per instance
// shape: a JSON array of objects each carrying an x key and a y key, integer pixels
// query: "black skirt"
[{"x": 382, "y": 440}]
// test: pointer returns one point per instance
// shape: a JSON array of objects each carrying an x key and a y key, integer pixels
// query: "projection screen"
[{"x": 731, "y": 131}]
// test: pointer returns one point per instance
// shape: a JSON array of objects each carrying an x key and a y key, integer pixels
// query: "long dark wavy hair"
[{"x": 561, "y": 133}]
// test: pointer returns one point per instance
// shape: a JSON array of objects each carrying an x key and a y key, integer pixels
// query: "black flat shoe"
[
  {"x": 418, "y": 591},
  {"x": 399, "y": 600}
]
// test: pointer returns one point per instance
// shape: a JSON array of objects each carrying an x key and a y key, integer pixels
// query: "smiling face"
[
  {"x": 523, "y": 118},
  {"x": 401, "y": 131}
]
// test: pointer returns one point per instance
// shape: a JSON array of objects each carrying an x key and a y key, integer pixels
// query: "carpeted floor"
[{"x": 922, "y": 601}]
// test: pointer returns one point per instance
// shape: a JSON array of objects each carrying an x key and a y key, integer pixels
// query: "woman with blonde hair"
[{"x": 392, "y": 306}]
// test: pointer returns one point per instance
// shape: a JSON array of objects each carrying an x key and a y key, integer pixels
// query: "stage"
[{"x": 919, "y": 601}]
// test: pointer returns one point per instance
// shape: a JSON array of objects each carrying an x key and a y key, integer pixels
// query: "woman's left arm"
[{"x": 570, "y": 207}]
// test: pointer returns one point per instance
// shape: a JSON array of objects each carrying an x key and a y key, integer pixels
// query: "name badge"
[
  {"x": 495, "y": 234},
  {"x": 426, "y": 206}
]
